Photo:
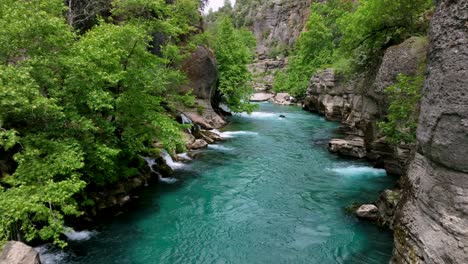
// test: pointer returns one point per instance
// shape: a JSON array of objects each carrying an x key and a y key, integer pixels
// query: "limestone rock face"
[
  {"x": 432, "y": 223},
  {"x": 283, "y": 99},
  {"x": 360, "y": 103},
  {"x": 352, "y": 147},
  {"x": 276, "y": 25},
  {"x": 263, "y": 72},
  {"x": 16, "y": 252},
  {"x": 202, "y": 72},
  {"x": 274, "y": 22}
]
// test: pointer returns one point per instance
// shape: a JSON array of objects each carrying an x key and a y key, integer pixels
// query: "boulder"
[
  {"x": 199, "y": 144},
  {"x": 282, "y": 99},
  {"x": 368, "y": 211},
  {"x": 202, "y": 73},
  {"x": 212, "y": 135},
  {"x": 351, "y": 147},
  {"x": 15, "y": 252},
  {"x": 261, "y": 97}
]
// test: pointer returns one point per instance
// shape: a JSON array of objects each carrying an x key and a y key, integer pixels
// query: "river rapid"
[{"x": 270, "y": 193}]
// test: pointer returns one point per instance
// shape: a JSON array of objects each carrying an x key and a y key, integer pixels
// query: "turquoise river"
[{"x": 270, "y": 193}]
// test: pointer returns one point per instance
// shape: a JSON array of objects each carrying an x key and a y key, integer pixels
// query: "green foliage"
[
  {"x": 234, "y": 51},
  {"x": 377, "y": 24},
  {"x": 401, "y": 121},
  {"x": 349, "y": 36},
  {"x": 77, "y": 110},
  {"x": 313, "y": 49}
]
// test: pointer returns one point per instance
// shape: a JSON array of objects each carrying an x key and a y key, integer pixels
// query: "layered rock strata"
[
  {"x": 432, "y": 220},
  {"x": 359, "y": 103}
]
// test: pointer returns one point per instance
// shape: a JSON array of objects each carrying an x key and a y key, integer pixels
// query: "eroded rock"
[
  {"x": 15, "y": 252},
  {"x": 352, "y": 147},
  {"x": 368, "y": 211},
  {"x": 432, "y": 221},
  {"x": 199, "y": 144}
]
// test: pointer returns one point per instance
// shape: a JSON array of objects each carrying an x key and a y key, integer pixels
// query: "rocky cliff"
[
  {"x": 360, "y": 102},
  {"x": 276, "y": 25},
  {"x": 432, "y": 223},
  {"x": 202, "y": 73}
]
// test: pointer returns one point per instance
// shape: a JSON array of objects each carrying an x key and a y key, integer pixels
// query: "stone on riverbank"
[
  {"x": 353, "y": 147},
  {"x": 261, "y": 97},
  {"x": 368, "y": 211},
  {"x": 16, "y": 252},
  {"x": 199, "y": 144}
]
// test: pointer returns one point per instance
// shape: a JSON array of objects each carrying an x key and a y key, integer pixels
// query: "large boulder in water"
[
  {"x": 351, "y": 147},
  {"x": 16, "y": 252},
  {"x": 368, "y": 211}
]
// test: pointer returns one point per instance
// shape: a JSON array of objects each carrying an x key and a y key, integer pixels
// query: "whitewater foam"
[
  {"x": 79, "y": 235},
  {"x": 184, "y": 156},
  {"x": 359, "y": 170},
  {"x": 219, "y": 147},
  {"x": 152, "y": 162},
  {"x": 170, "y": 162},
  {"x": 230, "y": 134},
  {"x": 260, "y": 115},
  {"x": 49, "y": 255}
]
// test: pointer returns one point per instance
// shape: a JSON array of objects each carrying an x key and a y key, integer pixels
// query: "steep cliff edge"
[
  {"x": 432, "y": 222},
  {"x": 359, "y": 103},
  {"x": 276, "y": 25}
]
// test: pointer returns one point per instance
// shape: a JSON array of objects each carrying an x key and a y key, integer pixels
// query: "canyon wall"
[
  {"x": 360, "y": 102},
  {"x": 276, "y": 25},
  {"x": 432, "y": 221}
]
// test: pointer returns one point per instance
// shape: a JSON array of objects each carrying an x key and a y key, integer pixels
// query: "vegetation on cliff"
[
  {"x": 234, "y": 51},
  {"x": 350, "y": 37}
]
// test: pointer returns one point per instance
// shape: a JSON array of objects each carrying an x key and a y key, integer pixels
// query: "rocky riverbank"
[{"x": 359, "y": 103}]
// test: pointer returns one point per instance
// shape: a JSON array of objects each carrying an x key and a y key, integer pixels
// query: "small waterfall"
[
  {"x": 78, "y": 235},
  {"x": 185, "y": 119},
  {"x": 152, "y": 162},
  {"x": 184, "y": 156},
  {"x": 170, "y": 162}
]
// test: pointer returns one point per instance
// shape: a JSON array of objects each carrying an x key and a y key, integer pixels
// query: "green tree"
[
  {"x": 313, "y": 49},
  {"x": 78, "y": 109},
  {"x": 233, "y": 49},
  {"x": 376, "y": 25}
]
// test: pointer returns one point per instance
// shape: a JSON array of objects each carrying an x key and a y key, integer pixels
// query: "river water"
[{"x": 271, "y": 193}]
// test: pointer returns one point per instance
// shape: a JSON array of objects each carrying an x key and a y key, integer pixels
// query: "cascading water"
[
  {"x": 267, "y": 194},
  {"x": 186, "y": 121},
  {"x": 152, "y": 162}
]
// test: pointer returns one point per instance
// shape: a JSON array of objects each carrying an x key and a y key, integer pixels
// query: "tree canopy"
[{"x": 79, "y": 107}]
